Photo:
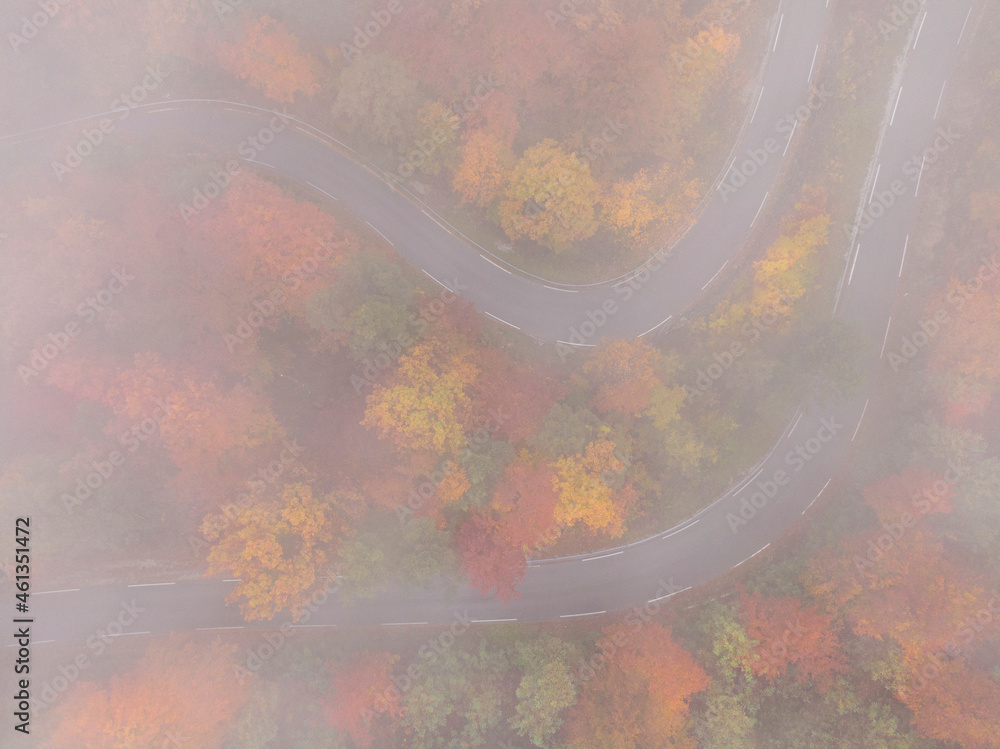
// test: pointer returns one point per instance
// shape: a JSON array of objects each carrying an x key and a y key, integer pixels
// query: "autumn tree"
[
  {"x": 513, "y": 395},
  {"x": 364, "y": 703},
  {"x": 375, "y": 94},
  {"x": 545, "y": 690},
  {"x": 641, "y": 697},
  {"x": 369, "y": 306},
  {"x": 260, "y": 238},
  {"x": 526, "y": 495},
  {"x": 460, "y": 700},
  {"x": 644, "y": 209},
  {"x": 958, "y": 704},
  {"x": 551, "y": 198},
  {"x": 791, "y": 633},
  {"x": 623, "y": 375},
  {"x": 178, "y": 689},
  {"x": 483, "y": 170},
  {"x": 494, "y": 563},
  {"x": 278, "y": 547},
  {"x": 270, "y": 58},
  {"x": 425, "y": 404},
  {"x": 584, "y": 493}
]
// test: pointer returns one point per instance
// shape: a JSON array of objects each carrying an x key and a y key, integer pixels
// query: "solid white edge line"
[
  {"x": 212, "y": 629},
  {"x": 668, "y": 534},
  {"x": 886, "y": 339},
  {"x": 41, "y": 642},
  {"x": 148, "y": 585},
  {"x": 435, "y": 280},
  {"x": 778, "y": 35},
  {"x": 603, "y": 556},
  {"x": 332, "y": 197},
  {"x": 654, "y": 600},
  {"x": 582, "y": 345},
  {"x": 403, "y": 624},
  {"x": 898, "y": 97},
  {"x": 903, "y": 260},
  {"x": 818, "y": 495},
  {"x": 759, "y": 550},
  {"x": 858, "y": 428},
  {"x": 568, "y": 291},
  {"x": 380, "y": 233},
  {"x": 494, "y": 264},
  {"x": 126, "y": 634},
  {"x": 589, "y": 613},
  {"x": 490, "y": 621},
  {"x": 502, "y": 320},
  {"x": 714, "y": 277},
  {"x": 789, "y": 434},
  {"x": 655, "y": 326},
  {"x": 809, "y": 78},
  {"x": 48, "y": 592}
]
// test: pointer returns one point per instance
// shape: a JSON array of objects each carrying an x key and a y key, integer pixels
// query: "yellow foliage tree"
[
  {"x": 584, "y": 496},
  {"x": 483, "y": 170},
  {"x": 276, "y": 547},
  {"x": 644, "y": 210},
  {"x": 551, "y": 198},
  {"x": 425, "y": 404}
]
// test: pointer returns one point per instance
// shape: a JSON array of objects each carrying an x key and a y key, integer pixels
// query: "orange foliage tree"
[
  {"x": 364, "y": 703},
  {"x": 641, "y": 698},
  {"x": 270, "y": 58},
  {"x": 279, "y": 548},
  {"x": 789, "y": 632},
  {"x": 188, "y": 692},
  {"x": 623, "y": 373}
]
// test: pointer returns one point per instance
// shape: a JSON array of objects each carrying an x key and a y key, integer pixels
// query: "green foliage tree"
[{"x": 375, "y": 95}]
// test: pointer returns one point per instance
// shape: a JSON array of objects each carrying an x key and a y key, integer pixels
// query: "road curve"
[{"x": 738, "y": 526}]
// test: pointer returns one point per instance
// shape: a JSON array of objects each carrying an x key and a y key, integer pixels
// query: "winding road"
[{"x": 753, "y": 514}]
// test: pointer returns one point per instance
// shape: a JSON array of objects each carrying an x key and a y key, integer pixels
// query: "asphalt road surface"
[{"x": 753, "y": 514}]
